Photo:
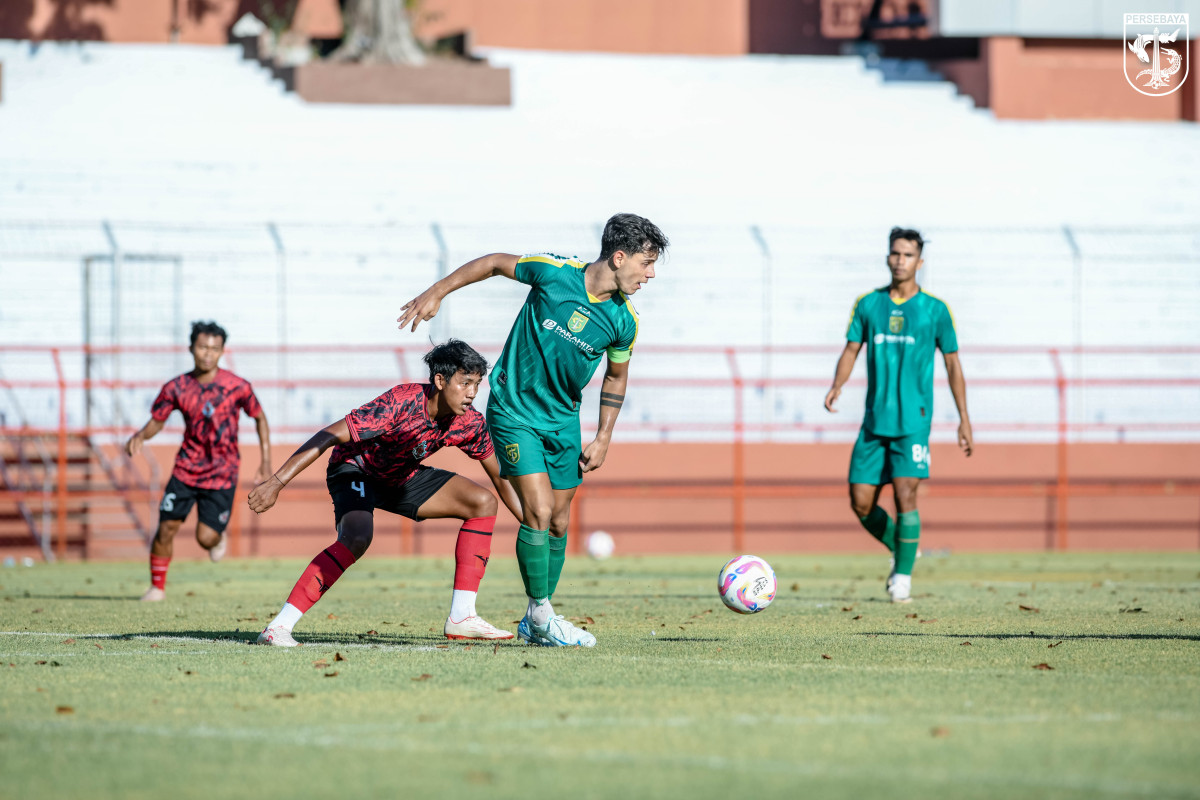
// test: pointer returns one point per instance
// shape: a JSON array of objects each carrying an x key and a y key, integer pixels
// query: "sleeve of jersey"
[
  {"x": 535, "y": 269},
  {"x": 854, "y": 331},
  {"x": 374, "y": 418},
  {"x": 250, "y": 403},
  {"x": 477, "y": 443},
  {"x": 622, "y": 350},
  {"x": 165, "y": 403},
  {"x": 947, "y": 336}
]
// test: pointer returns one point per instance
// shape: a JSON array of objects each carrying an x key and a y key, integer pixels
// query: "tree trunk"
[{"x": 380, "y": 33}]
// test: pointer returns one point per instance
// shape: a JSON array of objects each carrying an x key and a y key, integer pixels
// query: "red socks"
[
  {"x": 324, "y": 570},
  {"x": 158, "y": 572},
  {"x": 472, "y": 551}
]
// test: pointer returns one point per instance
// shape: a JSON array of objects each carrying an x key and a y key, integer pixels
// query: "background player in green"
[
  {"x": 574, "y": 314},
  {"x": 901, "y": 325}
]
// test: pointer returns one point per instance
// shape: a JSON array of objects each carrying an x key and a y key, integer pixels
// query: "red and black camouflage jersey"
[
  {"x": 393, "y": 433},
  {"x": 208, "y": 458}
]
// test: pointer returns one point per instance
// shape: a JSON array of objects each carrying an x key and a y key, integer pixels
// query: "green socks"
[
  {"x": 558, "y": 554},
  {"x": 908, "y": 537},
  {"x": 533, "y": 559},
  {"x": 881, "y": 526}
]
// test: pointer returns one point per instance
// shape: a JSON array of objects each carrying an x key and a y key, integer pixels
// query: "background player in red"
[
  {"x": 377, "y": 464},
  {"x": 206, "y": 467}
]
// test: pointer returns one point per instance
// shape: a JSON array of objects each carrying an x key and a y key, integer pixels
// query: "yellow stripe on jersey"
[
  {"x": 854, "y": 308},
  {"x": 553, "y": 261},
  {"x": 953, "y": 324}
]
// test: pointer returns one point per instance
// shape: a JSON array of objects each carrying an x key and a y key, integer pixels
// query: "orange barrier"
[{"x": 745, "y": 470}]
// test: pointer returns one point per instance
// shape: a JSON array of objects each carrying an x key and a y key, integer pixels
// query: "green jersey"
[
  {"x": 556, "y": 343},
  {"x": 900, "y": 339}
]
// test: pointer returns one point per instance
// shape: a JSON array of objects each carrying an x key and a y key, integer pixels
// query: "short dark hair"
[
  {"x": 211, "y": 328},
  {"x": 632, "y": 234},
  {"x": 909, "y": 234},
  {"x": 452, "y": 356}
]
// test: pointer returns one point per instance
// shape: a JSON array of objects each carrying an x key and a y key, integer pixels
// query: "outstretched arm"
[
  {"x": 424, "y": 306},
  {"x": 266, "y": 493},
  {"x": 612, "y": 397},
  {"x": 264, "y": 446},
  {"x": 958, "y": 388},
  {"x": 148, "y": 431},
  {"x": 503, "y": 488},
  {"x": 845, "y": 366}
]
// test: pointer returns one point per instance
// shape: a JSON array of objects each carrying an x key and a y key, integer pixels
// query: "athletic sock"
[
  {"x": 540, "y": 612},
  {"x": 558, "y": 555},
  {"x": 908, "y": 539},
  {"x": 462, "y": 605},
  {"x": 881, "y": 526},
  {"x": 158, "y": 572},
  {"x": 287, "y": 617},
  {"x": 322, "y": 572},
  {"x": 533, "y": 559},
  {"x": 471, "y": 554}
]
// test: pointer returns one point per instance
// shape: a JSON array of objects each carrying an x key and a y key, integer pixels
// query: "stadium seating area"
[{"x": 221, "y": 195}]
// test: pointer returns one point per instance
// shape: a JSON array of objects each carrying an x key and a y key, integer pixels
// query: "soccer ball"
[
  {"x": 599, "y": 545},
  {"x": 746, "y": 584}
]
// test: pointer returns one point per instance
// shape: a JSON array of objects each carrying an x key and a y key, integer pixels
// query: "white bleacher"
[{"x": 777, "y": 178}]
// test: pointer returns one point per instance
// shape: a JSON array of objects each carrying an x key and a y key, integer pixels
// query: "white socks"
[
  {"x": 287, "y": 618},
  {"x": 540, "y": 611},
  {"x": 462, "y": 605}
]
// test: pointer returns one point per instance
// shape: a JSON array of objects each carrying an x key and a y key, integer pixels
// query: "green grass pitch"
[{"x": 831, "y": 692}]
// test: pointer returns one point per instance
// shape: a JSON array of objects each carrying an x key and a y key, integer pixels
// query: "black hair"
[
  {"x": 211, "y": 328},
  {"x": 632, "y": 234},
  {"x": 908, "y": 234},
  {"x": 452, "y": 356}
]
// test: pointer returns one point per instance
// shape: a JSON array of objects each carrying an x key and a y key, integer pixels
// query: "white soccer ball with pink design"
[{"x": 746, "y": 584}]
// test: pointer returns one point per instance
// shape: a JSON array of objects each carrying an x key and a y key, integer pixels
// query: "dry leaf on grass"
[
  {"x": 284, "y": 695},
  {"x": 859, "y": 616},
  {"x": 1043, "y": 665},
  {"x": 332, "y": 616},
  {"x": 338, "y": 657},
  {"x": 910, "y": 616},
  {"x": 924, "y": 621},
  {"x": 965, "y": 644},
  {"x": 331, "y": 674},
  {"x": 512, "y": 689},
  {"x": 828, "y": 658},
  {"x": 1056, "y": 644},
  {"x": 68, "y": 641},
  {"x": 321, "y": 664},
  {"x": 424, "y": 676},
  {"x": 527, "y": 665},
  {"x": 1030, "y": 608},
  {"x": 64, "y": 710},
  {"x": 940, "y": 732}
]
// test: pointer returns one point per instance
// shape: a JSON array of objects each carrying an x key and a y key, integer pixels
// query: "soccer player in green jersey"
[
  {"x": 575, "y": 313},
  {"x": 901, "y": 325}
]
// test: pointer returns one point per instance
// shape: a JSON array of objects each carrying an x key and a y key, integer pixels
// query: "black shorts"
[
  {"x": 354, "y": 490},
  {"x": 214, "y": 505}
]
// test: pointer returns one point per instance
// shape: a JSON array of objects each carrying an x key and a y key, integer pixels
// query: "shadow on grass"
[
  {"x": 1066, "y": 637},
  {"x": 250, "y": 636}
]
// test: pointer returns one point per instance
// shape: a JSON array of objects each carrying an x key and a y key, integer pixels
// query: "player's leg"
[
  {"x": 354, "y": 501},
  {"x": 909, "y": 463},
  {"x": 560, "y": 520},
  {"x": 533, "y": 549},
  {"x": 460, "y": 498},
  {"x": 213, "y": 507},
  {"x": 868, "y": 475},
  {"x": 178, "y": 499}
]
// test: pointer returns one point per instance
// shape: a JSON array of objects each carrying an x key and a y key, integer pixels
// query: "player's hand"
[
  {"x": 134, "y": 445},
  {"x": 831, "y": 397},
  {"x": 421, "y": 308},
  {"x": 593, "y": 455},
  {"x": 966, "y": 442},
  {"x": 264, "y": 495}
]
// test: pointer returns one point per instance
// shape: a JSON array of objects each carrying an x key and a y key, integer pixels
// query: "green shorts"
[
  {"x": 524, "y": 450},
  {"x": 878, "y": 459}
]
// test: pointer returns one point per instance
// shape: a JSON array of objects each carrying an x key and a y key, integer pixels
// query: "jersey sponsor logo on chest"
[
  {"x": 896, "y": 323},
  {"x": 552, "y": 325}
]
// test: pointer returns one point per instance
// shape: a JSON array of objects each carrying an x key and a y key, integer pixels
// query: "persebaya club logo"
[
  {"x": 576, "y": 322},
  {"x": 895, "y": 324},
  {"x": 512, "y": 452},
  {"x": 1156, "y": 52}
]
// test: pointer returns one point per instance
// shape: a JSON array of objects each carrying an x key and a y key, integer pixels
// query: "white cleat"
[
  {"x": 525, "y": 633},
  {"x": 218, "y": 550},
  {"x": 153, "y": 595},
  {"x": 901, "y": 588},
  {"x": 277, "y": 636},
  {"x": 561, "y": 633},
  {"x": 474, "y": 628}
]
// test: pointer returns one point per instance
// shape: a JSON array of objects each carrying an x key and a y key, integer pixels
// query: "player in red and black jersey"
[
  {"x": 206, "y": 467},
  {"x": 376, "y": 463}
]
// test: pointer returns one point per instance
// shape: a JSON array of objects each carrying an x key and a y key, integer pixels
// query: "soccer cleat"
[
  {"x": 526, "y": 634},
  {"x": 218, "y": 550},
  {"x": 277, "y": 636},
  {"x": 561, "y": 633},
  {"x": 474, "y": 628},
  {"x": 153, "y": 595},
  {"x": 901, "y": 588}
]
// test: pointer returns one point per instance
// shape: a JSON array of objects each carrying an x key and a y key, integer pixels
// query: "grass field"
[{"x": 829, "y": 693}]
